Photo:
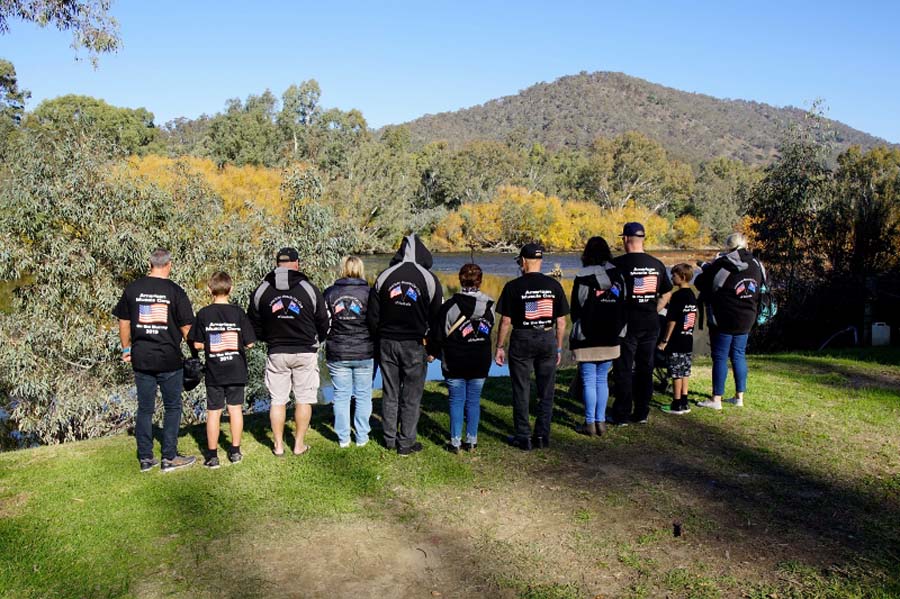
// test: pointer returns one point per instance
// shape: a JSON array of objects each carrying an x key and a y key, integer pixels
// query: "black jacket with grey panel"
[
  {"x": 599, "y": 307},
  {"x": 461, "y": 335},
  {"x": 406, "y": 296},
  {"x": 729, "y": 287},
  {"x": 288, "y": 313}
]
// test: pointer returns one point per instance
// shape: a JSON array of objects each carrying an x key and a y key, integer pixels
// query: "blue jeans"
[
  {"x": 352, "y": 378},
  {"x": 724, "y": 347},
  {"x": 170, "y": 386},
  {"x": 595, "y": 389},
  {"x": 465, "y": 404}
]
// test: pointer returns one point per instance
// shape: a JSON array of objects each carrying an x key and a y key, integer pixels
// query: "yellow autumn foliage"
[
  {"x": 236, "y": 185},
  {"x": 516, "y": 215}
]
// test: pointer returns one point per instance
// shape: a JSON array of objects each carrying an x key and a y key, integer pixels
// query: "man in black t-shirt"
[
  {"x": 649, "y": 289},
  {"x": 532, "y": 305},
  {"x": 155, "y": 315}
]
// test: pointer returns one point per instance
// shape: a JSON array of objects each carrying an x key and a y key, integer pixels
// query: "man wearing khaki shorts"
[{"x": 288, "y": 312}]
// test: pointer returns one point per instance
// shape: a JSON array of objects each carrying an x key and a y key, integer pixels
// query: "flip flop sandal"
[
  {"x": 278, "y": 455},
  {"x": 305, "y": 450}
]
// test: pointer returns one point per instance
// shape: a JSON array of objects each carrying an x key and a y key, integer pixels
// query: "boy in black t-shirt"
[
  {"x": 678, "y": 338},
  {"x": 222, "y": 330}
]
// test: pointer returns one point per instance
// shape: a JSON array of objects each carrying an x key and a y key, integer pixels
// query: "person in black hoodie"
[
  {"x": 461, "y": 338},
  {"x": 288, "y": 312},
  {"x": 406, "y": 297},
  {"x": 349, "y": 351},
  {"x": 729, "y": 287},
  {"x": 599, "y": 295}
]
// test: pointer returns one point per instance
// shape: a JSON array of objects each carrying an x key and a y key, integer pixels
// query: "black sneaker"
[
  {"x": 540, "y": 442},
  {"x": 469, "y": 446},
  {"x": 235, "y": 456},
  {"x": 453, "y": 448},
  {"x": 414, "y": 448},
  {"x": 639, "y": 420},
  {"x": 149, "y": 464},
  {"x": 612, "y": 421},
  {"x": 520, "y": 443},
  {"x": 179, "y": 461},
  {"x": 212, "y": 462}
]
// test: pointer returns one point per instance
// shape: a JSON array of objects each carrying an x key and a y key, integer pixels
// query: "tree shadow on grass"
[{"x": 846, "y": 376}]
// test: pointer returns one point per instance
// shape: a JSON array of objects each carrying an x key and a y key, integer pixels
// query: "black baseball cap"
[
  {"x": 532, "y": 251},
  {"x": 287, "y": 255},
  {"x": 633, "y": 230}
]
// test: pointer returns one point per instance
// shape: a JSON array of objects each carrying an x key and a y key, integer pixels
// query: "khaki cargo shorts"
[{"x": 297, "y": 372}]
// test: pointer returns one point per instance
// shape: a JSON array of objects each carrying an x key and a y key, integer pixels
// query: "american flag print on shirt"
[
  {"x": 153, "y": 313},
  {"x": 645, "y": 285},
  {"x": 689, "y": 320},
  {"x": 535, "y": 309},
  {"x": 395, "y": 291},
  {"x": 226, "y": 341},
  {"x": 467, "y": 330}
]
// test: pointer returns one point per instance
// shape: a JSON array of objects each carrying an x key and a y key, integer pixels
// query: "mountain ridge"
[{"x": 573, "y": 110}]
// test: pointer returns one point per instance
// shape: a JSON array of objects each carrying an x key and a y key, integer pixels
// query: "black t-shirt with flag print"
[
  {"x": 533, "y": 301},
  {"x": 224, "y": 330},
  {"x": 646, "y": 279},
  {"x": 157, "y": 309},
  {"x": 682, "y": 311}
]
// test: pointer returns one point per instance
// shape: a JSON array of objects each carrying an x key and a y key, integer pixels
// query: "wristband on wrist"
[
  {"x": 126, "y": 351},
  {"x": 559, "y": 350}
]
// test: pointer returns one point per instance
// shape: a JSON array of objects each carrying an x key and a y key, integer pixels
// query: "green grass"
[{"x": 795, "y": 495}]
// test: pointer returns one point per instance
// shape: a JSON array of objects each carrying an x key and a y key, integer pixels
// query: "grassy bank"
[{"x": 795, "y": 495}]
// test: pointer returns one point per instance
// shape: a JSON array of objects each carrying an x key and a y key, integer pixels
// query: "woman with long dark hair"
[{"x": 598, "y": 324}]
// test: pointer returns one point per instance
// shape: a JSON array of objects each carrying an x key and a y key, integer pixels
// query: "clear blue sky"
[{"x": 397, "y": 60}]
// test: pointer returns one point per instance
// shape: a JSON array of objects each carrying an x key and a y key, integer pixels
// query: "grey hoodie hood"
[{"x": 413, "y": 250}]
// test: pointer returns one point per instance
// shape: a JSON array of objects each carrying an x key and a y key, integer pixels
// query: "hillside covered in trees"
[{"x": 573, "y": 111}]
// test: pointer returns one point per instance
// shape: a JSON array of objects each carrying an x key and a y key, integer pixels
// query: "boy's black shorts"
[{"x": 217, "y": 397}]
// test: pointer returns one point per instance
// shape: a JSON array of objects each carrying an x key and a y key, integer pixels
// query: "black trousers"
[
  {"x": 403, "y": 369},
  {"x": 634, "y": 373},
  {"x": 170, "y": 386},
  {"x": 532, "y": 350}
]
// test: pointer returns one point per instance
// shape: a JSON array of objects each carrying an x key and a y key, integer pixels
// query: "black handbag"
[{"x": 193, "y": 370}]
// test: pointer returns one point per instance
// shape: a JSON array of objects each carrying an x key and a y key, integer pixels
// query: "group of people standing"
[{"x": 400, "y": 324}]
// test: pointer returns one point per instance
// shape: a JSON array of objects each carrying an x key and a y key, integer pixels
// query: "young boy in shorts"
[
  {"x": 678, "y": 338},
  {"x": 223, "y": 331}
]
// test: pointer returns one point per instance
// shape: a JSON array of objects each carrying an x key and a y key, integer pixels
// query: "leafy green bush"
[{"x": 74, "y": 231}]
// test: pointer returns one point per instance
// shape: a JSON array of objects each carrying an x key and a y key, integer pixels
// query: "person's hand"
[
  {"x": 558, "y": 358},
  {"x": 500, "y": 357},
  {"x": 126, "y": 355},
  {"x": 430, "y": 358},
  {"x": 662, "y": 345}
]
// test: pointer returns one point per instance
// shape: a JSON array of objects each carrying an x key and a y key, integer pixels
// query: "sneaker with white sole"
[
  {"x": 179, "y": 461},
  {"x": 736, "y": 402},
  {"x": 708, "y": 403}
]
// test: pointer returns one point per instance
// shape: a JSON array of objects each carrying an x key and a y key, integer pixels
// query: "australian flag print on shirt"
[
  {"x": 153, "y": 313},
  {"x": 535, "y": 309},
  {"x": 411, "y": 294}
]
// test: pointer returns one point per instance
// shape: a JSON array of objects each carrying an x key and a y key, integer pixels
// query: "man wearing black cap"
[
  {"x": 405, "y": 299},
  {"x": 649, "y": 289},
  {"x": 288, "y": 312},
  {"x": 532, "y": 305}
]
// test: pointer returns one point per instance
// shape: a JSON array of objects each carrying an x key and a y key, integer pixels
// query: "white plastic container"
[{"x": 881, "y": 334}]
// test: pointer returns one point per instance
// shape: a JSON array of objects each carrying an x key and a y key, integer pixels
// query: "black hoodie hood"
[{"x": 413, "y": 250}]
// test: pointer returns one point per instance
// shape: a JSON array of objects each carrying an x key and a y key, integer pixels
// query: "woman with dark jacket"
[
  {"x": 461, "y": 338},
  {"x": 729, "y": 287},
  {"x": 349, "y": 351},
  {"x": 598, "y": 325}
]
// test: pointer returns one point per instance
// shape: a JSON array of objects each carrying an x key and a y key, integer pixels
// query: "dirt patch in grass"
[{"x": 13, "y": 505}]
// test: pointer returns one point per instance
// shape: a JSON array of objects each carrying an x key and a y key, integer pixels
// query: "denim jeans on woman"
[
  {"x": 723, "y": 348},
  {"x": 595, "y": 389},
  {"x": 352, "y": 378},
  {"x": 465, "y": 404}
]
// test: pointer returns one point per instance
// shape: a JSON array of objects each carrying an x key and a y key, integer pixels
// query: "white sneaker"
[
  {"x": 713, "y": 405},
  {"x": 345, "y": 444},
  {"x": 736, "y": 401}
]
